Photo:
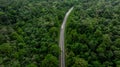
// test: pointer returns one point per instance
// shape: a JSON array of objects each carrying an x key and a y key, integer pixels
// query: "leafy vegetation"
[
  {"x": 29, "y": 33},
  {"x": 93, "y": 34}
]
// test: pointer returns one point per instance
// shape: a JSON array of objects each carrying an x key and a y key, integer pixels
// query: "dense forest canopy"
[
  {"x": 93, "y": 34},
  {"x": 29, "y": 33}
]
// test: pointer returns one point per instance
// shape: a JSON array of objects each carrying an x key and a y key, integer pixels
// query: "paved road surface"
[{"x": 61, "y": 40}]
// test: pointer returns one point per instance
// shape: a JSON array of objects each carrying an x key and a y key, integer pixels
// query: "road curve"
[{"x": 61, "y": 40}]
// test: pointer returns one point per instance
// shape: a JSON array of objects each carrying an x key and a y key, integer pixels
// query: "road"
[{"x": 61, "y": 40}]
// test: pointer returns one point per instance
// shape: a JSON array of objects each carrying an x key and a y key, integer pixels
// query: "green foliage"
[
  {"x": 29, "y": 33},
  {"x": 50, "y": 61},
  {"x": 16, "y": 64},
  {"x": 5, "y": 48},
  {"x": 70, "y": 59},
  {"x": 55, "y": 50},
  {"x": 117, "y": 63},
  {"x": 79, "y": 62},
  {"x": 117, "y": 42},
  {"x": 93, "y": 33},
  {"x": 31, "y": 65},
  {"x": 17, "y": 37}
]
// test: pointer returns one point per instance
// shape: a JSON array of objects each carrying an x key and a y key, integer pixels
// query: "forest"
[{"x": 29, "y": 33}]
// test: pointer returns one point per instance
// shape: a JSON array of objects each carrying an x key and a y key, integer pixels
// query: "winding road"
[{"x": 61, "y": 40}]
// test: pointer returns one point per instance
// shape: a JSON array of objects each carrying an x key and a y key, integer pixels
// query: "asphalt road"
[{"x": 61, "y": 40}]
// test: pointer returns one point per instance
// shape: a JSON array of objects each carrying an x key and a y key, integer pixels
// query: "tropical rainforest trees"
[
  {"x": 29, "y": 33},
  {"x": 92, "y": 34}
]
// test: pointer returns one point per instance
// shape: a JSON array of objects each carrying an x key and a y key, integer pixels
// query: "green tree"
[
  {"x": 80, "y": 62},
  {"x": 117, "y": 63},
  {"x": 31, "y": 65},
  {"x": 107, "y": 40},
  {"x": 70, "y": 59},
  {"x": 16, "y": 63},
  {"x": 5, "y": 48},
  {"x": 96, "y": 64},
  {"x": 50, "y": 61},
  {"x": 117, "y": 42},
  {"x": 55, "y": 50},
  {"x": 53, "y": 31}
]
